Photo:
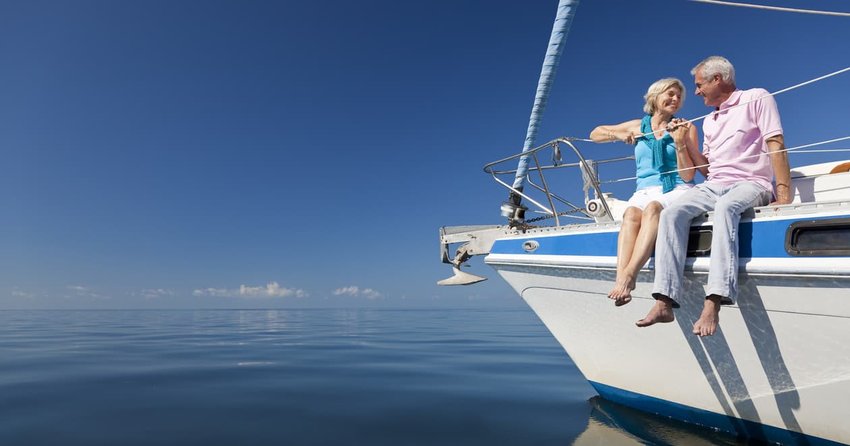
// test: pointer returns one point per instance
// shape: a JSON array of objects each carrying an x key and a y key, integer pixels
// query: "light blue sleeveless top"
[{"x": 648, "y": 150}]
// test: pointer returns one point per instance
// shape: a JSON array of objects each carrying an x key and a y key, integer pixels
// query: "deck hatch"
[{"x": 819, "y": 238}]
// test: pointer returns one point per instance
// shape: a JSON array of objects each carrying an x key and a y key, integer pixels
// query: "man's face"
[{"x": 709, "y": 89}]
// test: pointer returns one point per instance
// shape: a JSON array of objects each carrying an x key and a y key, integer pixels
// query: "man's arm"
[{"x": 781, "y": 169}]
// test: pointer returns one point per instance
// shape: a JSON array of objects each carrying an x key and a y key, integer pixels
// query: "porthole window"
[
  {"x": 699, "y": 242},
  {"x": 819, "y": 238}
]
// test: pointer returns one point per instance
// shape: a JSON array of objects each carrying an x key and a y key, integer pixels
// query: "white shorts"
[{"x": 643, "y": 197}]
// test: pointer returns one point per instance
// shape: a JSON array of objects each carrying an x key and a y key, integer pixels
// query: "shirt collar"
[{"x": 732, "y": 100}]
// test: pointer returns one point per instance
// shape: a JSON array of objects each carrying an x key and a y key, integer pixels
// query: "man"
[{"x": 744, "y": 149}]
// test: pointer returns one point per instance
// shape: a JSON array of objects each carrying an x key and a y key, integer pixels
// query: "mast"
[{"x": 512, "y": 209}]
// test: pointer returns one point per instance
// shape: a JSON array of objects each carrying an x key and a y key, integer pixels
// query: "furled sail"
[{"x": 563, "y": 19}]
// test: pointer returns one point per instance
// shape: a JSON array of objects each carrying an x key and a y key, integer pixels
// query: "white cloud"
[
  {"x": 154, "y": 293},
  {"x": 215, "y": 292},
  {"x": 22, "y": 294},
  {"x": 349, "y": 290},
  {"x": 84, "y": 291},
  {"x": 271, "y": 289},
  {"x": 356, "y": 291}
]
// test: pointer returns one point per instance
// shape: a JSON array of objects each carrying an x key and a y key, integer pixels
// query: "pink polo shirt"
[{"x": 734, "y": 140}]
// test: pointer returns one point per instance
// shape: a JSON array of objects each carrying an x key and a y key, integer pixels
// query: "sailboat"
[{"x": 777, "y": 370}]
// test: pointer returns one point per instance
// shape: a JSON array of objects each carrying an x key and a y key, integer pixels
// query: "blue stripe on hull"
[
  {"x": 770, "y": 241},
  {"x": 737, "y": 426}
]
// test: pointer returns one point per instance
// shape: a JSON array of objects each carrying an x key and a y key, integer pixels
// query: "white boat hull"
[{"x": 777, "y": 369}]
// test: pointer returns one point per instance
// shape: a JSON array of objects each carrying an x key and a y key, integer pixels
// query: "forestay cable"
[{"x": 775, "y": 8}]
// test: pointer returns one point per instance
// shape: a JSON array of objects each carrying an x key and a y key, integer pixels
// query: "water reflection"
[{"x": 613, "y": 424}]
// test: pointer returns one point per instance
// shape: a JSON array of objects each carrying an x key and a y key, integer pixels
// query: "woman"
[{"x": 658, "y": 155}]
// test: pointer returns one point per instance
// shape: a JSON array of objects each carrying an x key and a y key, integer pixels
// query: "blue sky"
[{"x": 224, "y": 154}]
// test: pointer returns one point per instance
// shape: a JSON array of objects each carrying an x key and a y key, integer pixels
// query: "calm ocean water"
[{"x": 302, "y": 377}]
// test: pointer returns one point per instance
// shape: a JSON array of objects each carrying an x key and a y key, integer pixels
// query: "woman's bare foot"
[
  {"x": 706, "y": 325},
  {"x": 661, "y": 312},
  {"x": 622, "y": 292}
]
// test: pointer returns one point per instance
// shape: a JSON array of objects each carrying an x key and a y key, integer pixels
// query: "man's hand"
[
  {"x": 782, "y": 193},
  {"x": 678, "y": 128}
]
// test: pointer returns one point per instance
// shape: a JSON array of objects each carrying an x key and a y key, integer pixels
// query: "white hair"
[
  {"x": 658, "y": 87},
  {"x": 716, "y": 65}
]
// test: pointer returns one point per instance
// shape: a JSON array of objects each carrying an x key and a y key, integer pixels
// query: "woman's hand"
[
  {"x": 632, "y": 136},
  {"x": 626, "y": 132}
]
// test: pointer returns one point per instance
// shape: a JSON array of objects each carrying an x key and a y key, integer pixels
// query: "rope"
[
  {"x": 793, "y": 87},
  {"x": 775, "y": 8},
  {"x": 826, "y": 151},
  {"x": 784, "y": 90},
  {"x": 819, "y": 143},
  {"x": 741, "y": 104},
  {"x": 792, "y": 149}
]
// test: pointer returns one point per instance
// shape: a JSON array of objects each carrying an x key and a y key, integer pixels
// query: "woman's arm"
[
  {"x": 696, "y": 154},
  {"x": 625, "y": 131},
  {"x": 685, "y": 137}
]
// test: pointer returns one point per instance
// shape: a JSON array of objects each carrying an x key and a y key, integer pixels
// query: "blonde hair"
[{"x": 658, "y": 87}]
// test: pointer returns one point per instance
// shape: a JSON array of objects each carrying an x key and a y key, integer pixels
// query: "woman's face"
[{"x": 669, "y": 101}]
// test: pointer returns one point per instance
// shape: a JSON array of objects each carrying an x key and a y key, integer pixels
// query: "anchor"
[
  {"x": 476, "y": 239},
  {"x": 461, "y": 277}
]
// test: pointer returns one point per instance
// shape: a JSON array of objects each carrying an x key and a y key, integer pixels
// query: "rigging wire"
[
  {"x": 775, "y": 8},
  {"x": 793, "y": 87},
  {"x": 791, "y": 149},
  {"x": 741, "y": 104},
  {"x": 784, "y": 90}
]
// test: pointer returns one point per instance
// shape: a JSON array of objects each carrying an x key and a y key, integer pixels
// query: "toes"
[
  {"x": 622, "y": 301},
  {"x": 702, "y": 330}
]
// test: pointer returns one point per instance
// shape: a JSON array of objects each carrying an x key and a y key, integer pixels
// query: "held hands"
[{"x": 678, "y": 128}]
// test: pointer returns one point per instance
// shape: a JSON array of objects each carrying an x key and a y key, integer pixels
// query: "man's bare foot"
[
  {"x": 706, "y": 325},
  {"x": 622, "y": 292},
  {"x": 661, "y": 312}
]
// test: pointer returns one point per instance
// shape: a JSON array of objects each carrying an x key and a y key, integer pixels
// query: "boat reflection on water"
[{"x": 614, "y": 424}]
